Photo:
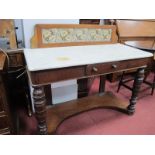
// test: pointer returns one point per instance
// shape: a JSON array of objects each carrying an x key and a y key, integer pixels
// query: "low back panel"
[{"x": 56, "y": 35}]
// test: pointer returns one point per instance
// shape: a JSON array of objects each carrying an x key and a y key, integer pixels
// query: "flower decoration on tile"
[{"x": 64, "y": 35}]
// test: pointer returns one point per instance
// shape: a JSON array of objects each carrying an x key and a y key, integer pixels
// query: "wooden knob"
[
  {"x": 95, "y": 69},
  {"x": 114, "y": 66}
]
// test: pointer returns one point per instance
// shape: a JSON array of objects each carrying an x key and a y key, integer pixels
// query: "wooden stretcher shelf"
[{"x": 56, "y": 114}]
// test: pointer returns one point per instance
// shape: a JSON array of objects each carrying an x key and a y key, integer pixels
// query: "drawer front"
[
  {"x": 3, "y": 122},
  {"x": 114, "y": 66},
  {"x": 44, "y": 77}
]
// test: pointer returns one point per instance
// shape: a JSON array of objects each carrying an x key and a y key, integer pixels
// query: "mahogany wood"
[
  {"x": 58, "y": 113},
  {"x": 55, "y": 75},
  {"x": 36, "y": 42},
  {"x": 47, "y": 76},
  {"x": 136, "y": 86},
  {"x": 40, "y": 107},
  {"x": 50, "y": 118},
  {"x": 41, "y": 78}
]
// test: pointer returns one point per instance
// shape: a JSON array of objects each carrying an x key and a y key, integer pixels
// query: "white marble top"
[{"x": 59, "y": 57}]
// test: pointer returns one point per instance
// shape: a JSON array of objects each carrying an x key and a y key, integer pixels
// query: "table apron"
[{"x": 54, "y": 75}]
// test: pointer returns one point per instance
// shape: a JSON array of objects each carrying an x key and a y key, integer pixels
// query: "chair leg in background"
[
  {"x": 153, "y": 85},
  {"x": 120, "y": 82}
]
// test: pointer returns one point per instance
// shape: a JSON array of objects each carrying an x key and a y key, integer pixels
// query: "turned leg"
[
  {"x": 102, "y": 83},
  {"x": 40, "y": 108},
  {"x": 136, "y": 87}
]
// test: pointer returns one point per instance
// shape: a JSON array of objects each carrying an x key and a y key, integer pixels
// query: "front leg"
[
  {"x": 40, "y": 108},
  {"x": 136, "y": 87}
]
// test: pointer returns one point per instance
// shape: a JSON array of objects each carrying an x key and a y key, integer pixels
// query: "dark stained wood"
[
  {"x": 83, "y": 87},
  {"x": 40, "y": 108},
  {"x": 48, "y": 92},
  {"x": 47, "y": 76},
  {"x": 16, "y": 58},
  {"x": 90, "y": 21},
  {"x": 36, "y": 42},
  {"x": 5, "y": 120},
  {"x": 57, "y": 75},
  {"x": 58, "y": 113},
  {"x": 5, "y": 131},
  {"x": 2, "y": 61},
  {"x": 102, "y": 83},
  {"x": 136, "y": 86},
  {"x": 97, "y": 69},
  {"x": 50, "y": 118}
]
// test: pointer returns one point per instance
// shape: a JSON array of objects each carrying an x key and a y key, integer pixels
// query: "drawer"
[
  {"x": 3, "y": 122},
  {"x": 96, "y": 69},
  {"x": 57, "y": 75}
]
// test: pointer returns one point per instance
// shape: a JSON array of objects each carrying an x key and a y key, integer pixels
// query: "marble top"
[{"x": 60, "y": 57}]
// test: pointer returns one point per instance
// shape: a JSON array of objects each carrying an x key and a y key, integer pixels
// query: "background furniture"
[
  {"x": 17, "y": 80},
  {"x": 7, "y": 32},
  {"x": 6, "y": 126},
  {"x": 139, "y": 32},
  {"x": 90, "y": 21},
  {"x": 14, "y": 81},
  {"x": 141, "y": 36}
]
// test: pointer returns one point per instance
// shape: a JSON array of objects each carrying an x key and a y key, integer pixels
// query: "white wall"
[
  {"x": 19, "y": 32},
  {"x": 28, "y": 26},
  {"x": 69, "y": 87}
]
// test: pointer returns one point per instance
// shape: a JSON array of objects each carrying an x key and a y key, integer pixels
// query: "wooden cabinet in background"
[
  {"x": 7, "y": 31},
  {"x": 5, "y": 119},
  {"x": 90, "y": 21},
  {"x": 16, "y": 58}
]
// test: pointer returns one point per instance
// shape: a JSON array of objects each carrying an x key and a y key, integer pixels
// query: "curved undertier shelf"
[{"x": 56, "y": 114}]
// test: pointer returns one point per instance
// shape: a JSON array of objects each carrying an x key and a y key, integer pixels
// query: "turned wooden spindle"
[
  {"x": 40, "y": 108},
  {"x": 136, "y": 87}
]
